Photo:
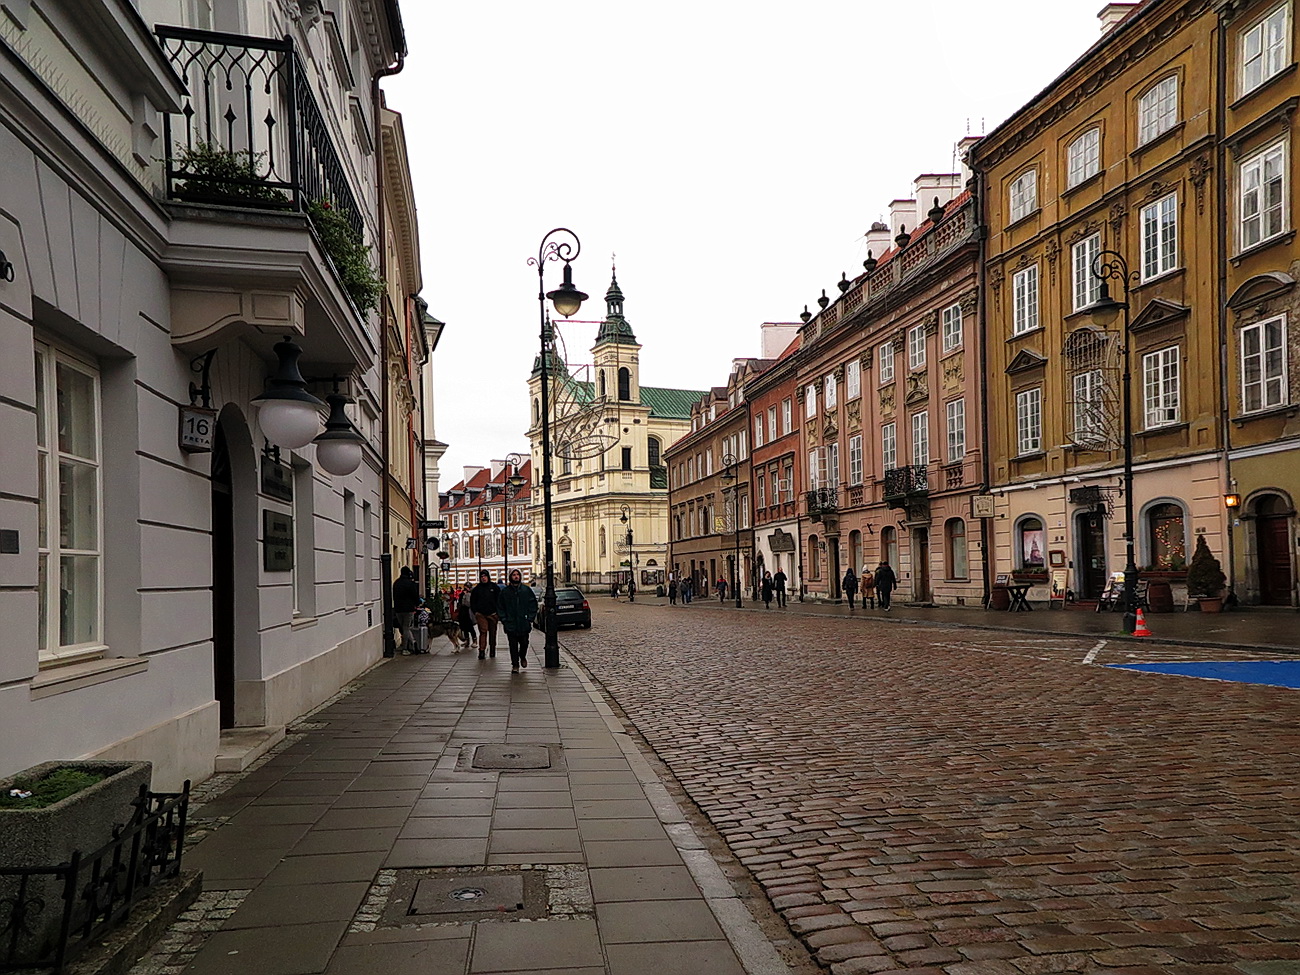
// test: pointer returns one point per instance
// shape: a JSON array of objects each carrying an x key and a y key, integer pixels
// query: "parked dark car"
[{"x": 571, "y": 608}]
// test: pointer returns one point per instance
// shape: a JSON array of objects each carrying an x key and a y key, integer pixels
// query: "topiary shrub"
[{"x": 1205, "y": 575}]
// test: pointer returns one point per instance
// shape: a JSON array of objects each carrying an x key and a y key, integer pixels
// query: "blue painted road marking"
[{"x": 1275, "y": 673}]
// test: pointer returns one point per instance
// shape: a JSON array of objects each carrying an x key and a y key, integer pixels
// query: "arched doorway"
[
  {"x": 1273, "y": 549},
  {"x": 223, "y": 580},
  {"x": 236, "y": 641}
]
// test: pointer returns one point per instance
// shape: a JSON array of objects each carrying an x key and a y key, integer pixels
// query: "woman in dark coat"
[
  {"x": 850, "y": 585},
  {"x": 886, "y": 583}
]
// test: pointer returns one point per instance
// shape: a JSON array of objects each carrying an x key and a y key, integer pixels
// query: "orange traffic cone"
[{"x": 1140, "y": 626}]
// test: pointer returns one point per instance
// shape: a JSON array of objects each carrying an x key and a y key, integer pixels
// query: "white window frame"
[
  {"x": 787, "y": 416},
  {"x": 1083, "y": 157},
  {"x": 814, "y": 468},
  {"x": 921, "y": 439},
  {"x": 810, "y": 401},
  {"x": 1158, "y": 109},
  {"x": 1087, "y": 286},
  {"x": 916, "y": 347},
  {"x": 1159, "y": 229},
  {"x": 855, "y": 459},
  {"x": 889, "y": 446},
  {"x": 1271, "y": 54},
  {"x": 1029, "y": 421},
  {"x": 1271, "y": 384},
  {"x": 955, "y": 414},
  {"x": 886, "y": 356},
  {"x": 761, "y": 490},
  {"x": 831, "y": 385},
  {"x": 771, "y": 424},
  {"x": 1161, "y": 387},
  {"x": 852, "y": 379},
  {"x": 49, "y": 460},
  {"x": 952, "y": 328},
  {"x": 1024, "y": 195},
  {"x": 1024, "y": 300},
  {"x": 1268, "y": 218},
  {"x": 758, "y": 431}
]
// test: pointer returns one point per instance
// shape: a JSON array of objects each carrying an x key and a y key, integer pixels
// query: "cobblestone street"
[{"x": 966, "y": 801}]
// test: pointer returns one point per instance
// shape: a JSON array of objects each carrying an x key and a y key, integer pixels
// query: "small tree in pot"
[{"x": 1205, "y": 578}]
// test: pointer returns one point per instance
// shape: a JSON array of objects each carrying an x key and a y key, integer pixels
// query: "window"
[
  {"x": 852, "y": 379},
  {"x": 602, "y": 541},
  {"x": 1087, "y": 286},
  {"x": 887, "y": 363},
  {"x": 1160, "y": 387},
  {"x": 1160, "y": 237},
  {"x": 653, "y": 452},
  {"x": 761, "y": 495},
  {"x": 952, "y": 337},
  {"x": 787, "y": 416},
  {"x": 1264, "y": 49},
  {"x": 889, "y": 545},
  {"x": 1029, "y": 421},
  {"x": 814, "y": 468},
  {"x": 1030, "y": 543},
  {"x": 1083, "y": 158},
  {"x": 1024, "y": 195},
  {"x": 1024, "y": 295},
  {"x": 916, "y": 347},
  {"x": 920, "y": 439},
  {"x": 889, "y": 446},
  {"x": 624, "y": 384},
  {"x": 627, "y": 458},
  {"x": 954, "y": 536},
  {"x": 771, "y": 423},
  {"x": 758, "y": 431},
  {"x": 956, "y": 411},
  {"x": 1262, "y": 195},
  {"x": 304, "y": 541},
  {"x": 1263, "y": 365},
  {"x": 810, "y": 401},
  {"x": 788, "y": 476},
  {"x": 1166, "y": 537},
  {"x": 855, "y": 459},
  {"x": 831, "y": 453},
  {"x": 70, "y": 504},
  {"x": 1088, "y": 409},
  {"x": 1158, "y": 109},
  {"x": 814, "y": 558},
  {"x": 830, "y": 384}
]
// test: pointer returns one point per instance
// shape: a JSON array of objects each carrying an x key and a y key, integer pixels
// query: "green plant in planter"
[
  {"x": 349, "y": 253},
  {"x": 216, "y": 173},
  {"x": 1205, "y": 575},
  {"x": 49, "y": 789}
]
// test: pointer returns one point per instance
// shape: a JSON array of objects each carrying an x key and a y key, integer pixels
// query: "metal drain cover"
[
  {"x": 468, "y": 895},
  {"x": 512, "y": 757}
]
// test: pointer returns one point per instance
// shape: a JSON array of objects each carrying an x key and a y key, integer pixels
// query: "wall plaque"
[
  {"x": 277, "y": 480},
  {"x": 277, "y": 541},
  {"x": 981, "y": 506},
  {"x": 198, "y": 425}
]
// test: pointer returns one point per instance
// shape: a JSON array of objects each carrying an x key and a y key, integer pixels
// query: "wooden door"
[
  {"x": 1274, "y": 547},
  {"x": 1092, "y": 575},
  {"x": 921, "y": 563}
]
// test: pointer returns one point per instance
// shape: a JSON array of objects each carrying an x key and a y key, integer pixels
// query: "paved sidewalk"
[{"x": 374, "y": 808}]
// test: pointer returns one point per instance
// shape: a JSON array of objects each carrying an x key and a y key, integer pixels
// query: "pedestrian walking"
[
  {"x": 886, "y": 583},
  {"x": 768, "y": 588},
  {"x": 672, "y": 593},
  {"x": 406, "y": 598},
  {"x": 688, "y": 590},
  {"x": 517, "y": 607},
  {"x": 778, "y": 583},
  {"x": 483, "y": 601},
  {"x": 722, "y": 590},
  {"x": 465, "y": 617},
  {"x": 867, "y": 586},
  {"x": 850, "y": 586}
]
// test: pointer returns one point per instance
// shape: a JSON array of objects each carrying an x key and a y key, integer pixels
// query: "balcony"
[
  {"x": 246, "y": 158},
  {"x": 822, "y": 502},
  {"x": 908, "y": 488}
]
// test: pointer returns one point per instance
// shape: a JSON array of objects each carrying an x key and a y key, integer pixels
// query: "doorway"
[
  {"x": 1091, "y": 577},
  {"x": 223, "y": 580},
  {"x": 833, "y": 554},
  {"x": 1273, "y": 543},
  {"x": 921, "y": 563},
  {"x": 566, "y": 566}
]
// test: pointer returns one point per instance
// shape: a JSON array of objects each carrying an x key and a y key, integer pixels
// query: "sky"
[{"x": 731, "y": 155}]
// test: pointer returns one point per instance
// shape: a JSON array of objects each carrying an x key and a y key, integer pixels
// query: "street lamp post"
[
  {"x": 514, "y": 482},
  {"x": 625, "y": 518},
  {"x": 1110, "y": 266},
  {"x": 731, "y": 480},
  {"x": 567, "y": 300}
]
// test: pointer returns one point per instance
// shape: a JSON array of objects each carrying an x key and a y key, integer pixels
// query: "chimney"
[
  {"x": 964, "y": 147},
  {"x": 469, "y": 472},
  {"x": 776, "y": 338},
  {"x": 1111, "y": 14},
  {"x": 902, "y": 213}
]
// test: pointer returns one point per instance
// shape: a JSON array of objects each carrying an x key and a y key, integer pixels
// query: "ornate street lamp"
[
  {"x": 567, "y": 300},
  {"x": 730, "y": 483},
  {"x": 290, "y": 416},
  {"x": 626, "y": 519},
  {"x": 514, "y": 483},
  {"x": 1110, "y": 266}
]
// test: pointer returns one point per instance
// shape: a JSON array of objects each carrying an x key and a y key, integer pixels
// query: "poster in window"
[{"x": 1032, "y": 541}]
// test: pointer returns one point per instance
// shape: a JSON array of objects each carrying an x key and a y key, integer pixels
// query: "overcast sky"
[{"x": 731, "y": 154}]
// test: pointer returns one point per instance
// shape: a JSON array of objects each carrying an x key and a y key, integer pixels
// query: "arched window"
[
  {"x": 602, "y": 541},
  {"x": 653, "y": 447},
  {"x": 537, "y": 412},
  {"x": 1166, "y": 537},
  {"x": 954, "y": 536},
  {"x": 624, "y": 384},
  {"x": 601, "y": 384},
  {"x": 814, "y": 558},
  {"x": 855, "y": 550},
  {"x": 889, "y": 547},
  {"x": 1031, "y": 543}
]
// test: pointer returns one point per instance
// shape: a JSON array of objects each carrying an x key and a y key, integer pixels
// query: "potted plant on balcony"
[
  {"x": 1205, "y": 578},
  {"x": 213, "y": 174},
  {"x": 350, "y": 254}
]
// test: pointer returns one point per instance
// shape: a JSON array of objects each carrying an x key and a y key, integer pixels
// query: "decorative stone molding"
[
  {"x": 853, "y": 412},
  {"x": 969, "y": 301},
  {"x": 952, "y": 371},
  {"x": 1083, "y": 232},
  {"x": 887, "y": 399},
  {"x": 829, "y": 428},
  {"x": 1118, "y": 211},
  {"x": 1158, "y": 189},
  {"x": 918, "y": 390},
  {"x": 1199, "y": 172},
  {"x": 931, "y": 322},
  {"x": 865, "y": 359},
  {"x": 1052, "y": 250},
  {"x": 995, "y": 285}
]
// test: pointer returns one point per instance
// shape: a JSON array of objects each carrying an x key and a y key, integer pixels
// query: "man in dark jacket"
[
  {"x": 886, "y": 583},
  {"x": 517, "y": 607},
  {"x": 406, "y": 597},
  {"x": 483, "y": 602},
  {"x": 778, "y": 582}
]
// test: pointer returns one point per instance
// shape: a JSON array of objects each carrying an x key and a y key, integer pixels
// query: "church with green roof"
[{"x": 608, "y": 437}]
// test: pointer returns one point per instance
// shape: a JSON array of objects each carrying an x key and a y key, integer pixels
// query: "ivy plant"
[{"x": 350, "y": 254}]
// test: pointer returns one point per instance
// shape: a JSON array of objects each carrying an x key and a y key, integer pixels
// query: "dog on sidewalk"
[{"x": 447, "y": 629}]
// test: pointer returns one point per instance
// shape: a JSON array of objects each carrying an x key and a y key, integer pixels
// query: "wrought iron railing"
[
  {"x": 92, "y": 892},
  {"x": 903, "y": 481},
  {"x": 822, "y": 499},
  {"x": 250, "y": 132}
]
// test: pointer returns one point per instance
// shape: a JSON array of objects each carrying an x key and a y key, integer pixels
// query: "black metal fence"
[
  {"x": 822, "y": 499},
  {"x": 250, "y": 133},
  {"x": 902, "y": 481},
  {"x": 92, "y": 892}
]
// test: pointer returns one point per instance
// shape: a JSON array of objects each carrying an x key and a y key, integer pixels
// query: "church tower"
[{"x": 615, "y": 354}]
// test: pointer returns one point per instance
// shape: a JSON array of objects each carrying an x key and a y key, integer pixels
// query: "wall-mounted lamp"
[
  {"x": 287, "y": 413},
  {"x": 1232, "y": 500},
  {"x": 338, "y": 449},
  {"x": 6, "y": 268}
]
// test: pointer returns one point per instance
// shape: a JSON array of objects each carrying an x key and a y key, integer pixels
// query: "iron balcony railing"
[
  {"x": 904, "y": 481},
  {"x": 822, "y": 499},
  {"x": 250, "y": 133}
]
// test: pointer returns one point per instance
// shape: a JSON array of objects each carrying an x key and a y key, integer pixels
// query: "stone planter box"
[{"x": 49, "y": 836}]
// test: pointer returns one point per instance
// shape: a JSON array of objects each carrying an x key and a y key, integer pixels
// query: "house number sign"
[{"x": 197, "y": 428}]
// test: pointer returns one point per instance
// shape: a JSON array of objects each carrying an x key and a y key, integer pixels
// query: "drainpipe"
[
  {"x": 1221, "y": 255},
  {"x": 981, "y": 291}
]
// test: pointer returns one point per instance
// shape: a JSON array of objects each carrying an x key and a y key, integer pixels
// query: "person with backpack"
[
  {"x": 465, "y": 617},
  {"x": 483, "y": 602},
  {"x": 867, "y": 586},
  {"x": 886, "y": 583},
  {"x": 850, "y": 586}
]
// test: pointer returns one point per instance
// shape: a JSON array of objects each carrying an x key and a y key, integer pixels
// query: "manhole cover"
[
  {"x": 452, "y": 895},
  {"x": 512, "y": 756}
]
